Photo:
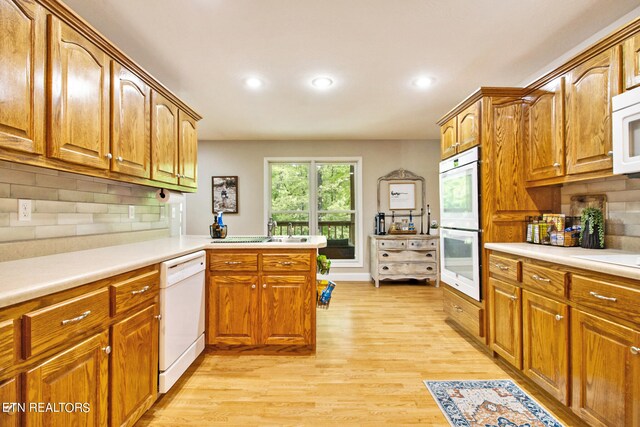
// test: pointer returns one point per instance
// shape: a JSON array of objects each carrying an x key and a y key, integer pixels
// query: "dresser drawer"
[
  {"x": 615, "y": 299},
  {"x": 60, "y": 323},
  {"x": 286, "y": 262},
  {"x": 407, "y": 268},
  {"x": 420, "y": 244},
  {"x": 545, "y": 279},
  {"x": 134, "y": 291},
  {"x": 392, "y": 244},
  {"x": 470, "y": 317},
  {"x": 506, "y": 268},
  {"x": 224, "y": 261},
  {"x": 386, "y": 256},
  {"x": 6, "y": 344}
]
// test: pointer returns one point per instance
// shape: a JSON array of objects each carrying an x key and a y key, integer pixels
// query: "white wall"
[{"x": 246, "y": 160}]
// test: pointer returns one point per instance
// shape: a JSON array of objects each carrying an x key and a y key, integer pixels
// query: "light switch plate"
[
  {"x": 132, "y": 212},
  {"x": 24, "y": 210}
]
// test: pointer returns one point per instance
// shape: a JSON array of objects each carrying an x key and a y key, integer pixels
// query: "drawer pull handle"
[
  {"x": 76, "y": 319},
  {"x": 429, "y": 268},
  {"x": 429, "y": 256},
  {"x": 285, "y": 262},
  {"x": 597, "y": 295},
  {"x": 107, "y": 349},
  {"x": 159, "y": 317},
  {"x": 385, "y": 255},
  {"x": 385, "y": 268},
  {"x": 559, "y": 317},
  {"x": 233, "y": 262},
  {"x": 540, "y": 279},
  {"x": 141, "y": 291},
  {"x": 635, "y": 350},
  {"x": 501, "y": 266},
  {"x": 458, "y": 308},
  {"x": 513, "y": 298}
]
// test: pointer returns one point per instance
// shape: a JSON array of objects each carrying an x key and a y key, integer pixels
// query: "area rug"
[{"x": 495, "y": 403}]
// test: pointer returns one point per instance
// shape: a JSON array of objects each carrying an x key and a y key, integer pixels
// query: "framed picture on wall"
[
  {"x": 224, "y": 193},
  {"x": 402, "y": 196}
]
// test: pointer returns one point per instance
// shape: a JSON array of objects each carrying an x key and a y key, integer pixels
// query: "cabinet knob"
[
  {"x": 635, "y": 350},
  {"x": 119, "y": 158},
  {"x": 109, "y": 156},
  {"x": 559, "y": 317},
  {"x": 253, "y": 286},
  {"x": 556, "y": 165},
  {"x": 610, "y": 153},
  {"x": 107, "y": 349},
  {"x": 264, "y": 286},
  {"x": 159, "y": 316},
  {"x": 513, "y": 298}
]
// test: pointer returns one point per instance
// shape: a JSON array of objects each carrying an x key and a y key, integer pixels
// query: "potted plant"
[{"x": 592, "y": 233}]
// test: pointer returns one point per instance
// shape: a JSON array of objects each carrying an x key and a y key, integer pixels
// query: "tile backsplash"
[
  {"x": 65, "y": 205},
  {"x": 623, "y": 208}
]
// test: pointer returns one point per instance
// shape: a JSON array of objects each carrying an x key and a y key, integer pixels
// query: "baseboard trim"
[{"x": 350, "y": 277}]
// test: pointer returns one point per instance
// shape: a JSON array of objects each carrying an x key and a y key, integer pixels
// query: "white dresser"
[{"x": 398, "y": 257}]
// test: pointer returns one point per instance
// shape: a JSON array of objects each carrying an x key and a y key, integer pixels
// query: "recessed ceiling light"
[
  {"x": 321, "y": 82},
  {"x": 423, "y": 82},
  {"x": 253, "y": 82}
]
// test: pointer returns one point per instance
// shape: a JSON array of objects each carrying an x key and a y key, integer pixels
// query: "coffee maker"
[{"x": 379, "y": 225}]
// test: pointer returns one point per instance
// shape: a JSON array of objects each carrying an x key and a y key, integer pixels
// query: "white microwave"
[{"x": 625, "y": 122}]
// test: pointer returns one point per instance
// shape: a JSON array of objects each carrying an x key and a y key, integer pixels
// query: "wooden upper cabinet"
[
  {"x": 544, "y": 127},
  {"x": 79, "y": 106},
  {"x": 590, "y": 87},
  {"x": 22, "y": 49},
  {"x": 188, "y": 158},
  {"x": 130, "y": 123},
  {"x": 448, "y": 138},
  {"x": 468, "y": 125},
  {"x": 164, "y": 139},
  {"x": 631, "y": 59}
]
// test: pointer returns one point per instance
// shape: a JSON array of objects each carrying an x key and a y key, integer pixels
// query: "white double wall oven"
[{"x": 460, "y": 223}]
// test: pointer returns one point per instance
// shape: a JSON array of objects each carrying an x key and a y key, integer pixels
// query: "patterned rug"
[{"x": 496, "y": 403}]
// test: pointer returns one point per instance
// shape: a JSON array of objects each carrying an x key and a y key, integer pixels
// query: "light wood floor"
[{"x": 374, "y": 349}]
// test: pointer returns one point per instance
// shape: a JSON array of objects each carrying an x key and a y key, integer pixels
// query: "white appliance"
[
  {"x": 460, "y": 223},
  {"x": 625, "y": 122},
  {"x": 182, "y": 309}
]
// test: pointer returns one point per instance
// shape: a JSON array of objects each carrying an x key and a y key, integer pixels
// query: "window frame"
[{"x": 313, "y": 198}]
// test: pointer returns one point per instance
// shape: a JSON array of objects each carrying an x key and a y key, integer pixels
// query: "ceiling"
[{"x": 373, "y": 49}]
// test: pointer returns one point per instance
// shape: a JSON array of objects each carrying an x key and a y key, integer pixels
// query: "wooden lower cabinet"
[
  {"x": 505, "y": 327},
  {"x": 77, "y": 375},
  {"x": 233, "y": 310},
  {"x": 10, "y": 393},
  {"x": 134, "y": 366},
  {"x": 606, "y": 371},
  {"x": 285, "y": 307},
  {"x": 545, "y": 326}
]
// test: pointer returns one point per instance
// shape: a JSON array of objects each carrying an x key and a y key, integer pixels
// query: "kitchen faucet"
[
  {"x": 290, "y": 229},
  {"x": 271, "y": 227}
]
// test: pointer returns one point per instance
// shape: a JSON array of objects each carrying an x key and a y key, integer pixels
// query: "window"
[{"x": 318, "y": 197}]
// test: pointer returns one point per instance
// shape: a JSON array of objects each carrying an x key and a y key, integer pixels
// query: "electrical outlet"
[
  {"x": 24, "y": 210},
  {"x": 163, "y": 212},
  {"x": 132, "y": 212}
]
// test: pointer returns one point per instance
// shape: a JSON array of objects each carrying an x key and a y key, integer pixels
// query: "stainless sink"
[
  {"x": 262, "y": 239},
  {"x": 287, "y": 239}
]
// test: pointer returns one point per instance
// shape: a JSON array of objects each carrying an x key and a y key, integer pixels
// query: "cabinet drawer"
[
  {"x": 463, "y": 313},
  {"x": 407, "y": 268},
  {"x": 64, "y": 322},
  {"x": 546, "y": 279},
  {"x": 134, "y": 291},
  {"x": 505, "y": 267},
  {"x": 422, "y": 244},
  {"x": 615, "y": 299},
  {"x": 221, "y": 261},
  {"x": 386, "y": 256},
  {"x": 6, "y": 344},
  {"x": 392, "y": 244},
  {"x": 286, "y": 262}
]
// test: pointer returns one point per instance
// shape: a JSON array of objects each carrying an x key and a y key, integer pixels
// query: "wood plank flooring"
[{"x": 374, "y": 349}]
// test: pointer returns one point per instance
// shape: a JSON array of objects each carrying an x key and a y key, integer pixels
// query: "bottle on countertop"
[{"x": 220, "y": 223}]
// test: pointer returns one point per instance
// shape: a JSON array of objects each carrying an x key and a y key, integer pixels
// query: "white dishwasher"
[{"x": 182, "y": 301}]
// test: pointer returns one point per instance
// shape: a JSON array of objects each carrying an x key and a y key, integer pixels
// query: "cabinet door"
[
  {"x": 631, "y": 59},
  {"x": 10, "y": 393},
  {"x": 22, "y": 49},
  {"x": 468, "y": 125},
  {"x": 544, "y": 150},
  {"x": 188, "y": 158},
  {"x": 590, "y": 87},
  {"x": 448, "y": 139},
  {"x": 164, "y": 139},
  {"x": 505, "y": 323},
  {"x": 606, "y": 371},
  {"x": 134, "y": 366},
  {"x": 233, "y": 310},
  {"x": 545, "y": 326},
  {"x": 130, "y": 123},
  {"x": 286, "y": 310},
  {"x": 79, "y": 106},
  {"x": 79, "y": 374}
]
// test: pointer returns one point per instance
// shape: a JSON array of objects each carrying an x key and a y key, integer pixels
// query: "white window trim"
[{"x": 359, "y": 250}]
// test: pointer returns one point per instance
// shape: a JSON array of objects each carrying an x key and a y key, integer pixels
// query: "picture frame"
[
  {"x": 402, "y": 195},
  {"x": 224, "y": 194}
]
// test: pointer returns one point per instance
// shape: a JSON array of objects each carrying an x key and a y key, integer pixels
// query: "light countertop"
[
  {"x": 29, "y": 278},
  {"x": 567, "y": 256}
]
